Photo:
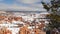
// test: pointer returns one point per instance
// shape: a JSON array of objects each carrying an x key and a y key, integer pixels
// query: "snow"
[
  {"x": 17, "y": 22},
  {"x": 26, "y": 18},
  {"x": 44, "y": 13},
  {"x": 29, "y": 27},
  {"x": 14, "y": 30},
  {"x": 8, "y": 25}
]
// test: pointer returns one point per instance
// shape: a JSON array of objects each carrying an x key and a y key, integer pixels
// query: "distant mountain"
[{"x": 28, "y": 11}]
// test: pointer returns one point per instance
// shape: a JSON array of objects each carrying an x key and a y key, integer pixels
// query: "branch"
[{"x": 45, "y": 6}]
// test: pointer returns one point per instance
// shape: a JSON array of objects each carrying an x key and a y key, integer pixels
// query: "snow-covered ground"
[
  {"x": 10, "y": 27},
  {"x": 26, "y": 18},
  {"x": 14, "y": 30}
]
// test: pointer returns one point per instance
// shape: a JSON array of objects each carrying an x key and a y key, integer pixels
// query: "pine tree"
[{"x": 54, "y": 17}]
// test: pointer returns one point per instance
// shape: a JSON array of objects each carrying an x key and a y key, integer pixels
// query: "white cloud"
[
  {"x": 22, "y": 8},
  {"x": 31, "y": 7},
  {"x": 47, "y": 1},
  {"x": 28, "y": 1}
]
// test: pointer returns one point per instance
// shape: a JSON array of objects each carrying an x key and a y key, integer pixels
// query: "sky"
[{"x": 22, "y": 5}]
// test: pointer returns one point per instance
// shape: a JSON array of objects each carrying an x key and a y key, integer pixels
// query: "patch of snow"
[
  {"x": 17, "y": 22},
  {"x": 14, "y": 30}
]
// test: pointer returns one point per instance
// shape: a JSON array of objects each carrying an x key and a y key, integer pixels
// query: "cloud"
[
  {"x": 32, "y": 1},
  {"x": 28, "y": 1},
  {"x": 21, "y": 8},
  {"x": 46, "y": 1},
  {"x": 20, "y": 5}
]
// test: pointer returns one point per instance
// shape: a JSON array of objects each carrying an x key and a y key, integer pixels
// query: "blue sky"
[{"x": 22, "y": 5}]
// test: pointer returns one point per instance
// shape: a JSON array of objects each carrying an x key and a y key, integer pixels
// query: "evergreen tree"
[{"x": 54, "y": 7}]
